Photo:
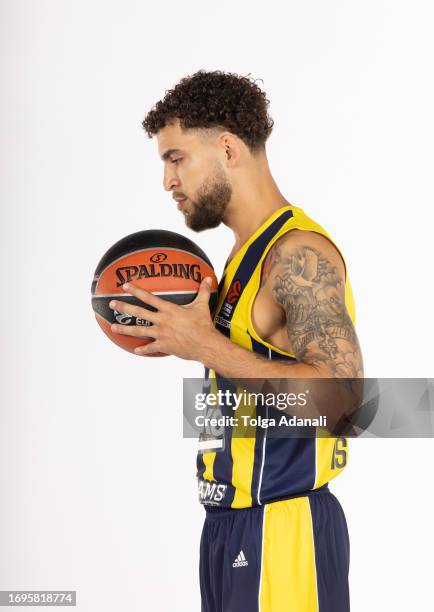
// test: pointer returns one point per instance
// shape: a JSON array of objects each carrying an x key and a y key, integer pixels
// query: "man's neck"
[{"x": 255, "y": 198}]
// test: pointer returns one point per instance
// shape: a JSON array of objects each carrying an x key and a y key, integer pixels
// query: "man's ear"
[{"x": 232, "y": 149}]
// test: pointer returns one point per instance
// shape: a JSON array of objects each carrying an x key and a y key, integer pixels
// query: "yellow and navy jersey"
[{"x": 241, "y": 472}]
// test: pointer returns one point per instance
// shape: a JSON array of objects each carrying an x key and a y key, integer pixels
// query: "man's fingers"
[
  {"x": 147, "y": 297},
  {"x": 135, "y": 311},
  {"x": 148, "y": 349},
  {"x": 139, "y": 331}
]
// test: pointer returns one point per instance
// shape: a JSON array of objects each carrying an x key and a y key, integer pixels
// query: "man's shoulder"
[
  {"x": 310, "y": 237},
  {"x": 297, "y": 241}
]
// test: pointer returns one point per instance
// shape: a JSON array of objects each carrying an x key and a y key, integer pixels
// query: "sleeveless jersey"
[{"x": 251, "y": 471}]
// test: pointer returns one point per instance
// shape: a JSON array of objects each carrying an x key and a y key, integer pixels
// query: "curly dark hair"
[{"x": 215, "y": 99}]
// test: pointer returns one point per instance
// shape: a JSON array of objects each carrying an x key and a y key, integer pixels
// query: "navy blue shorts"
[{"x": 286, "y": 556}]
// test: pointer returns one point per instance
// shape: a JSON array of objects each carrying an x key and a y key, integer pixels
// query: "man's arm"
[
  {"x": 305, "y": 275},
  {"x": 308, "y": 282}
]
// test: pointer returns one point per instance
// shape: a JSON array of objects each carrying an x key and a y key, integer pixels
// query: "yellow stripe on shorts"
[{"x": 288, "y": 577}]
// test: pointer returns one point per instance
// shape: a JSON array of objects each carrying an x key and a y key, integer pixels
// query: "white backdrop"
[{"x": 94, "y": 497}]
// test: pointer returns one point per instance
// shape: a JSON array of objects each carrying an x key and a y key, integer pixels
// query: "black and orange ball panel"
[{"x": 165, "y": 263}]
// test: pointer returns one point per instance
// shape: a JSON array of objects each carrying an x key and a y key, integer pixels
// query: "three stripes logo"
[{"x": 240, "y": 561}]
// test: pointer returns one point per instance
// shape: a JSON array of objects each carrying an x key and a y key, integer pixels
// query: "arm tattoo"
[
  {"x": 272, "y": 259},
  {"x": 312, "y": 294}
]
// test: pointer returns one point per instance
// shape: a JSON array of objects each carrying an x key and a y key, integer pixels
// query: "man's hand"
[{"x": 178, "y": 330}]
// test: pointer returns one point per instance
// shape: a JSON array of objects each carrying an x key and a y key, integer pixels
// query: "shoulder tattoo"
[{"x": 312, "y": 294}]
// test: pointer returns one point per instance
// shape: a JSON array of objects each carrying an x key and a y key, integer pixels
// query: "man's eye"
[{"x": 177, "y": 160}]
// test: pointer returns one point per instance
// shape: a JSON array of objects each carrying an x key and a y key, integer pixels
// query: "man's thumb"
[{"x": 204, "y": 290}]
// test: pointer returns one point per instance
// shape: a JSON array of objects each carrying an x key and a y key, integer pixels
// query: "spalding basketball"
[{"x": 165, "y": 263}]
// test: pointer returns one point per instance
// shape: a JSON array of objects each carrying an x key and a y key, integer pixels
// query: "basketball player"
[{"x": 275, "y": 538}]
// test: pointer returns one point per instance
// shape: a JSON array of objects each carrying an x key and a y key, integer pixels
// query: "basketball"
[{"x": 165, "y": 263}]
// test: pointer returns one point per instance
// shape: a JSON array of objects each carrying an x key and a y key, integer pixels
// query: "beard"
[{"x": 210, "y": 204}]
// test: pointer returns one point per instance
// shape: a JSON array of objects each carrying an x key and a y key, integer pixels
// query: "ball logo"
[
  {"x": 157, "y": 257},
  {"x": 153, "y": 270},
  {"x": 126, "y": 319},
  {"x": 122, "y": 318},
  {"x": 234, "y": 292}
]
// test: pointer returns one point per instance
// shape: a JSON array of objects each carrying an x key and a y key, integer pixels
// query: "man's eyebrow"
[{"x": 168, "y": 153}]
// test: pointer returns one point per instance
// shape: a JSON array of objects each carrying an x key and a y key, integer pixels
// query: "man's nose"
[{"x": 170, "y": 181}]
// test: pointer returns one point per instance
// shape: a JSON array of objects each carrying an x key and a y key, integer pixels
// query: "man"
[{"x": 275, "y": 538}]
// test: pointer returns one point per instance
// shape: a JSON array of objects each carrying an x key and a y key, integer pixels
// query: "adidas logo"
[{"x": 240, "y": 561}]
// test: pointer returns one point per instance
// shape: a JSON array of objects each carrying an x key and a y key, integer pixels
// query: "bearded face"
[
  {"x": 207, "y": 209},
  {"x": 195, "y": 174}
]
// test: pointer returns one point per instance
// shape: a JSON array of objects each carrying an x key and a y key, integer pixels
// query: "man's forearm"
[
  {"x": 233, "y": 361},
  {"x": 332, "y": 398}
]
